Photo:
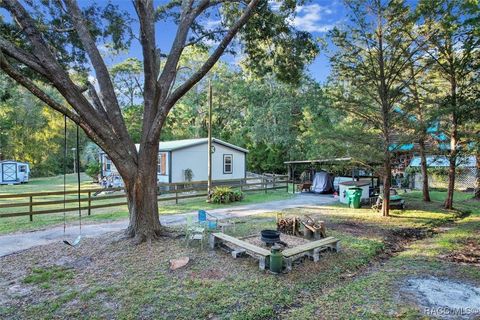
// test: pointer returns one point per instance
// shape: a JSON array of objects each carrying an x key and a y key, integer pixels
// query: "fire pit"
[{"x": 270, "y": 237}]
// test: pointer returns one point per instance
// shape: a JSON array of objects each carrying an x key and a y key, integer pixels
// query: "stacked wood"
[
  {"x": 289, "y": 225},
  {"x": 314, "y": 229}
]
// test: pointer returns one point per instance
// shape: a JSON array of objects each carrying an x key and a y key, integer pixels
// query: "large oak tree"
[{"x": 52, "y": 42}]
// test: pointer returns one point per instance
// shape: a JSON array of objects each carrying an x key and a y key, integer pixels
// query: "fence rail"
[{"x": 90, "y": 199}]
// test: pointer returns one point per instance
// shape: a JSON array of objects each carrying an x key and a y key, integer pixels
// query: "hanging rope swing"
[{"x": 77, "y": 164}]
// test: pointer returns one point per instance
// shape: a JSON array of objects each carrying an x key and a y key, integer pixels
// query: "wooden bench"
[
  {"x": 252, "y": 250},
  {"x": 311, "y": 249}
]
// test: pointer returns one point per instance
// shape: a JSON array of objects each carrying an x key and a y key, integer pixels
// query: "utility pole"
[{"x": 209, "y": 185}]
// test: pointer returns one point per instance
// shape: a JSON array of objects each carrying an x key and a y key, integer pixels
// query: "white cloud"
[
  {"x": 313, "y": 17},
  {"x": 210, "y": 24}
]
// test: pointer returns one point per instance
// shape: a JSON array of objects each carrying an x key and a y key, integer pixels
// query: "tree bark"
[
  {"x": 141, "y": 189},
  {"x": 453, "y": 144},
  {"x": 451, "y": 183},
  {"x": 423, "y": 164}
]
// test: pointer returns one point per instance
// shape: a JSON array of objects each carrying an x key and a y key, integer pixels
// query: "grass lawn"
[
  {"x": 14, "y": 224},
  {"x": 110, "y": 278}
]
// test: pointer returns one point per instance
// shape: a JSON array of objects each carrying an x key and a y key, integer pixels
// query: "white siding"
[{"x": 196, "y": 158}]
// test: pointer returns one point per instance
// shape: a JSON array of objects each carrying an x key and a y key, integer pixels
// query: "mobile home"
[{"x": 180, "y": 160}]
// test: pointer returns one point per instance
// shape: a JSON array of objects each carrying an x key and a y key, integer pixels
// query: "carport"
[{"x": 343, "y": 169}]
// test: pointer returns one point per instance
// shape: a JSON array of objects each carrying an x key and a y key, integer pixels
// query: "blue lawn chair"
[{"x": 206, "y": 219}]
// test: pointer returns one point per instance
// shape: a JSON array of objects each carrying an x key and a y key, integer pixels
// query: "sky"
[{"x": 316, "y": 17}]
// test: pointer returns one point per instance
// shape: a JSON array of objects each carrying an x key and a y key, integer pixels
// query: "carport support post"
[
  {"x": 31, "y": 208},
  {"x": 293, "y": 179}
]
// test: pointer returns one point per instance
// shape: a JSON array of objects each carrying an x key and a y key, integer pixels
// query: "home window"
[
  {"x": 108, "y": 164},
  {"x": 162, "y": 164},
  {"x": 227, "y": 163}
]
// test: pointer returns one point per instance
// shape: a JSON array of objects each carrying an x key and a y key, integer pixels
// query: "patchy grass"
[
  {"x": 49, "y": 183},
  {"x": 15, "y": 224},
  {"x": 363, "y": 281},
  {"x": 46, "y": 275}
]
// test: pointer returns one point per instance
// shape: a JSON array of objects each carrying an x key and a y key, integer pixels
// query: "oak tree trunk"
[
  {"x": 141, "y": 191},
  {"x": 423, "y": 164}
]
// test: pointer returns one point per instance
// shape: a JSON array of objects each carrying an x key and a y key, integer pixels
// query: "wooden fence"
[{"x": 53, "y": 202}]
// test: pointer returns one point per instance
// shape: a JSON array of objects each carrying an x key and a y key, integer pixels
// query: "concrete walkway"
[{"x": 12, "y": 243}]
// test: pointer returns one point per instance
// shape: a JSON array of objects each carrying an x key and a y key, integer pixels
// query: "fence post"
[
  {"x": 176, "y": 194},
  {"x": 273, "y": 181},
  {"x": 31, "y": 208},
  {"x": 265, "y": 185},
  {"x": 89, "y": 202}
]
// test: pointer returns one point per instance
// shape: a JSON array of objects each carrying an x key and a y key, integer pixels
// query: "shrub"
[
  {"x": 226, "y": 195},
  {"x": 93, "y": 170}
]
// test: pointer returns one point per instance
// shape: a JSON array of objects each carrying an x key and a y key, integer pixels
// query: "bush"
[
  {"x": 93, "y": 170},
  {"x": 226, "y": 195}
]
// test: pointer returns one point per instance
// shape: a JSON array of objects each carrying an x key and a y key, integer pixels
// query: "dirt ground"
[{"x": 107, "y": 277}]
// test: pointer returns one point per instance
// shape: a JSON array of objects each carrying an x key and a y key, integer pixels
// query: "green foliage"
[
  {"x": 32, "y": 132},
  {"x": 226, "y": 195},
  {"x": 93, "y": 170}
]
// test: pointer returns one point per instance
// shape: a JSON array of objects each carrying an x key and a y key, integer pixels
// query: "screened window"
[{"x": 227, "y": 163}]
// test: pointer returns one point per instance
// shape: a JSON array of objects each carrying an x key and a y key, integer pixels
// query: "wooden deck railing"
[{"x": 53, "y": 202}]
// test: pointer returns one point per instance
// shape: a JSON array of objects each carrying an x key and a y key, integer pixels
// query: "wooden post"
[
  {"x": 274, "y": 181},
  {"x": 89, "y": 202},
  {"x": 31, "y": 208},
  {"x": 176, "y": 194},
  {"x": 265, "y": 184}
]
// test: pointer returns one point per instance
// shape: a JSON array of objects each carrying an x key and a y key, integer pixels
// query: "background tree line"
[{"x": 397, "y": 71}]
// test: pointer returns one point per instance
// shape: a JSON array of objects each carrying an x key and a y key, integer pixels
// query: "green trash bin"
[{"x": 354, "y": 195}]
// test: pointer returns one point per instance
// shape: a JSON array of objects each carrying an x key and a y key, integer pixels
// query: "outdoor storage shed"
[{"x": 14, "y": 172}]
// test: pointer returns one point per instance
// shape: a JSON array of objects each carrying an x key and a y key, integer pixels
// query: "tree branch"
[
  {"x": 30, "y": 86},
  {"x": 151, "y": 90},
  {"x": 202, "y": 71},
  {"x": 22, "y": 56},
  {"x": 106, "y": 87}
]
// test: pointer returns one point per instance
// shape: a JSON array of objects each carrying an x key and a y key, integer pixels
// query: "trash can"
[{"x": 354, "y": 195}]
